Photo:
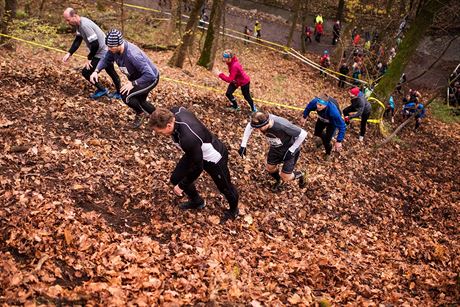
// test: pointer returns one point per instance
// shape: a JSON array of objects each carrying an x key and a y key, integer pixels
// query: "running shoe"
[
  {"x": 229, "y": 214},
  {"x": 138, "y": 120},
  {"x": 99, "y": 93},
  {"x": 188, "y": 205},
  {"x": 114, "y": 95},
  {"x": 303, "y": 180}
]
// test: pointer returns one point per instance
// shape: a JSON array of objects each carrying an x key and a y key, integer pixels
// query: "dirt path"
[{"x": 275, "y": 28}]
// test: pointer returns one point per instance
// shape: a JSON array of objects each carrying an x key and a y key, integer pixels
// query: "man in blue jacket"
[
  {"x": 414, "y": 108},
  {"x": 329, "y": 119},
  {"x": 142, "y": 74}
]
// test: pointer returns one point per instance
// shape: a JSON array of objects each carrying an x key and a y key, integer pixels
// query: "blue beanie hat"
[{"x": 114, "y": 38}]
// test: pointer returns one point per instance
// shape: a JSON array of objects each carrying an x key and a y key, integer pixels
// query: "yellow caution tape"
[
  {"x": 255, "y": 41},
  {"x": 165, "y": 78}
]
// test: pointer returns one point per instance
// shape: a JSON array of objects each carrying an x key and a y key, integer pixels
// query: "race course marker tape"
[{"x": 165, "y": 78}]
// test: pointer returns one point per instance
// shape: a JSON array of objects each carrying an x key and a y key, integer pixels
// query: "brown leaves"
[{"x": 88, "y": 214}]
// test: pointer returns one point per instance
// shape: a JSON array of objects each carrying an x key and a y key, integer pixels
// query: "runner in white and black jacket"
[
  {"x": 202, "y": 151},
  {"x": 142, "y": 74},
  {"x": 285, "y": 141}
]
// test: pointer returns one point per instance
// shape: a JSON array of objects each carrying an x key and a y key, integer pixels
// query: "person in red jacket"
[
  {"x": 318, "y": 32},
  {"x": 236, "y": 78}
]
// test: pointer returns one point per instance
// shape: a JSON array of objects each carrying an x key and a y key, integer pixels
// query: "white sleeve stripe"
[{"x": 92, "y": 38}]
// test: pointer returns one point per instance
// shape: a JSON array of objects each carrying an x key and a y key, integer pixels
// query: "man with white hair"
[{"x": 88, "y": 31}]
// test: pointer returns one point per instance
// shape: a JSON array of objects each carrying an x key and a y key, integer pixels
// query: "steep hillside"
[{"x": 87, "y": 215}]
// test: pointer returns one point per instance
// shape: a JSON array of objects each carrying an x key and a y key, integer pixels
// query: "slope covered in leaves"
[{"x": 87, "y": 214}]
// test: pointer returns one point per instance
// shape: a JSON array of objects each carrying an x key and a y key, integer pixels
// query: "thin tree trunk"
[
  {"x": 122, "y": 17},
  {"x": 42, "y": 6},
  {"x": 389, "y": 6},
  {"x": 210, "y": 43},
  {"x": 3, "y": 24},
  {"x": 11, "y": 7},
  {"x": 173, "y": 21},
  {"x": 187, "y": 40},
  {"x": 340, "y": 10},
  {"x": 408, "y": 47},
  {"x": 400, "y": 127},
  {"x": 224, "y": 5},
  {"x": 303, "y": 36},
  {"x": 295, "y": 16},
  {"x": 402, "y": 7}
]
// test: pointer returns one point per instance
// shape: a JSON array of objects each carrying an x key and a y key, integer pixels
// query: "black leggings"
[
  {"x": 137, "y": 98},
  {"x": 364, "y": 118},
  {"x": 246, "y": 94},
  {"x": 326, "y": 136},
  {"x": 110, "y": 71},
  {"x": 389, "y": 111},
  {"x": 219, "y": 173}
]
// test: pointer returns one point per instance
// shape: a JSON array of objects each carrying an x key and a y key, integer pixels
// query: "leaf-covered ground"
[{"x": 87, "y": 215}]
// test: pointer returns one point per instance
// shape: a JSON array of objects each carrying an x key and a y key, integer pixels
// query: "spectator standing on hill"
[
  {"x": 258, "y": 29},
  {"x": 336, "y": 32}
]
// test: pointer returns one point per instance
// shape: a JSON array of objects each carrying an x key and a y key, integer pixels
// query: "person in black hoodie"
[
  {"x": 361, "y": 108},
  {"x": 202, "y": 151},
  {"x": 344, "y": 70}
]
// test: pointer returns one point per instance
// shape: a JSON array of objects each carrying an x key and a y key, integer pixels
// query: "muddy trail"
[{"x": 87, "y": 214}]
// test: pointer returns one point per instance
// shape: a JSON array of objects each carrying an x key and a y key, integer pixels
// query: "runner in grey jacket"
[
  {"x": 142, "y": 74},
  {"x": 362, "y": 109},
  {"x": 285, "y": 141},
  {"x": 88, "y": 31}
]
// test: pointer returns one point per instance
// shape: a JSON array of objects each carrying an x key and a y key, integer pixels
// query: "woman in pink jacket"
[{"x": 236, "y": 78}]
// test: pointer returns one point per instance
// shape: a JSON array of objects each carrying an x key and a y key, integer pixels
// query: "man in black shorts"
[
  {"x": 202, "y": 151},
  {"x": 285, "y": 141}
]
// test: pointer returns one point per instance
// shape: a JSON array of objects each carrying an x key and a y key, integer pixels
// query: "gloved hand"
[
  {"x": 347, "y": 119},
  {"x": 242, "y": 151}
]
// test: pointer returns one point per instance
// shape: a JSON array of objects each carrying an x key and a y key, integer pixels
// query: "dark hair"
[
  {"x": 259, "y": 119},
  {"x": 160, "y": 118}
]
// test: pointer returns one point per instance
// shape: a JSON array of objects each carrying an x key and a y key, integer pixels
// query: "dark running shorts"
[{"x": 276, "y": 156}]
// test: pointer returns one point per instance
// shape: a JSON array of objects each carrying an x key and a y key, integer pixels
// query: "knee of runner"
[{"x": 85, "y": 73}]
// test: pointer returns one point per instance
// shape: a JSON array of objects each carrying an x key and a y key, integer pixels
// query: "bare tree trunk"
[
  {"x": 210, "y": 43},
  {"x": 303, "y": 36},
  {"x": 340, "y": 10},
  {"x": 389, "y": 6},
  {"x": 122, "y": 17},
  {"x": 400, "y": 127},
  {"x": 414, "y": 35},
  {"x": 187, "y": 40},
  {"x": 295, "y": 16},
  {"x": 42, "y": 6},
  {"x": 7, "y": 13},
  {"x": 224, "y": 5},
  {"x": 3, "y": 24},
  {"x": 173, "y": 21}
]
